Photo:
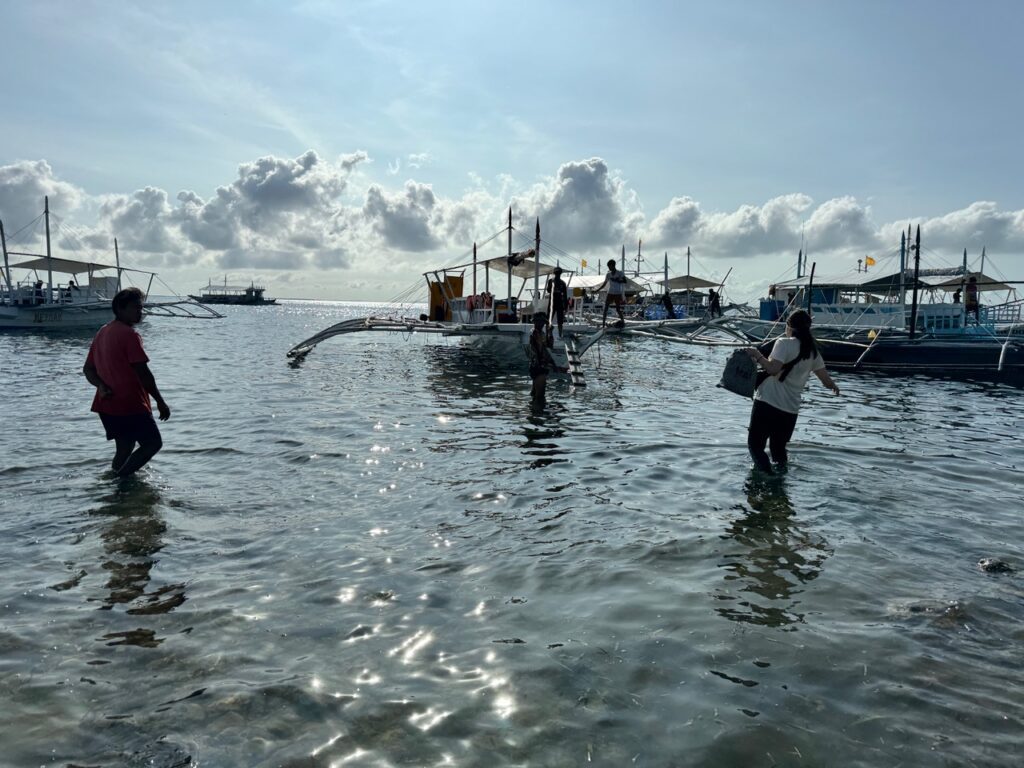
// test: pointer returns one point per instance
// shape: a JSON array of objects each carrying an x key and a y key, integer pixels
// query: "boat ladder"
[{"x": 575, "y": 364}]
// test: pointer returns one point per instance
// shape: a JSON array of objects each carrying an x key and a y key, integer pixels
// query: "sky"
[{"x": 338, "y": 150}]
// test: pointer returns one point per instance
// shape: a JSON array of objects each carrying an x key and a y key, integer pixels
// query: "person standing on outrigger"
[{"x": 616, "y": 282}]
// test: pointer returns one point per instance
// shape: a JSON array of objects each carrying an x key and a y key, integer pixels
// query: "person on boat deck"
[
  {"x": 559, "y": 296},
  {"x": 118, "y": 367},
  {"x": 71, "y": 287},
  {"x": 971, "y": 298},
  {"x": 541, "y": 362},
  {"x": 39, "y": 292},
  {"x": 777, "y": 401},
  {"x": 616, "y": 282},
  {"x": 714, "y": 303},
  {"x": 956, "y": 296}
]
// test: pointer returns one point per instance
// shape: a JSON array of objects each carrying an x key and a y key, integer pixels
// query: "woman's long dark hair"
[{"x": 800, "y": 322}]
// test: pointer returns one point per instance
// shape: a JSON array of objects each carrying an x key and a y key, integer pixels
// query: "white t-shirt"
[
  {"x": 785, "y": 395},
  {"x": 616, "y": 282}
]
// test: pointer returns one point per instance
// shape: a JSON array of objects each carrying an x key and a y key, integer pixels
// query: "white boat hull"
[{"x": 55, "y": 316}]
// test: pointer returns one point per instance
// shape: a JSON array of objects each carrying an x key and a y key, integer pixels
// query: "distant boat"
[
  {"x": 49, "y": 293},
  {"x": 248, "y": 295}
]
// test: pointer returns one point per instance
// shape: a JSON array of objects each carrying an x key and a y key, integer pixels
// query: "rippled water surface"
[{"x": 384, "y": 557}]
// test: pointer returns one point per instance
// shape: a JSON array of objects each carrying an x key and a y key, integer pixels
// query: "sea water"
[{"x": 384, "y": 557}]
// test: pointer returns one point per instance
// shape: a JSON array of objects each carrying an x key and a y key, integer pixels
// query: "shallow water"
[{"x": 384, "y": 557}]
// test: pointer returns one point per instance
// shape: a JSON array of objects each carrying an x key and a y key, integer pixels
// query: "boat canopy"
[
  {"x": 69, "y": 266},
  {"x": 524, "y": 268},
  {"x": 985, "y": 283},
  {"x": 686, "y": 283},
  {"x": 589, "y": 282}
]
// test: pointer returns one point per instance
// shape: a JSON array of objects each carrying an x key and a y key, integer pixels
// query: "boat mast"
[
  {"x": 7, "y": 265},
  {"x": 981, "y": 271},
  {"x": 687, "y": 270},
  {"x": 903, "y": 268},
  {"x": 810, "y": 288},
  {"x": 510, "y": 258},
  {"x": 117, "y": 263},
  {"x": 639, "y": 258},
  {"x": 536, "y": 266},
  {"x": 49, "y": 257},
  {"x": 666, "y": 273},
  {"x": 916, "y": 247},
  {"x": 963, "y": 287},
  {"x": 474, "y": 269}
]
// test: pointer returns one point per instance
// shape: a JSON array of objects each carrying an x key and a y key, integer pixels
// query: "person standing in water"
[
  {"x": 616, "y": 282},
  {"x": 118, "y": 367},
  {"x": 541, "y": 361},
  {"x": 777, "y": 401}
]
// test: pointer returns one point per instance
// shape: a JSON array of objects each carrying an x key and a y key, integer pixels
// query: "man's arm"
[
  {"x": 149, "y": 384},
  {"x": 93, "y": 377}
]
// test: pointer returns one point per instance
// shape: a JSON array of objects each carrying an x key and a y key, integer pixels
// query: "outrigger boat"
[
  {"x": 81, "y": 299},
  {"x": 246, "y": 295},
  {"x": 502, "y": 322},
  {"x": 875, "y": 330}
]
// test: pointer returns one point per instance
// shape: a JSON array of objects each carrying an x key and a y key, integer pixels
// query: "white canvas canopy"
[
  {"x": 523, "y": 269},
  {"x": 956, "y": 283},
  {"x": 68, "y": 266},
  {"x": 686, "y": 283}
]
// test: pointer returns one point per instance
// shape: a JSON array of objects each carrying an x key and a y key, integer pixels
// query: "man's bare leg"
[
  {"x": 122, "y": 450},
  {"x": 146, "y": 451}
]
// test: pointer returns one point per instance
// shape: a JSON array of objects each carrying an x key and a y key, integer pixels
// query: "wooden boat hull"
[
  {"x": 57, "y": 317},
  {"x": 242, "y": 300},
  {"x": 988, "y": 358}
]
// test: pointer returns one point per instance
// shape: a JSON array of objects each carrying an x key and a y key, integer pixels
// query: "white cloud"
[
  {"x": 305, "y": 220},
  {"x": 24, "y": 184}
]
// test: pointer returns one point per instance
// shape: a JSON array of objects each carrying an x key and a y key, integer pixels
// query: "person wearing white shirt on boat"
[
  {"x": 616, "y": 282},
  {"x": 777, "y": 400}
]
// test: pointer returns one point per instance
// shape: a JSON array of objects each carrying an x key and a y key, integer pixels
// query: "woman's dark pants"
[{"x": 769, "y": 425}]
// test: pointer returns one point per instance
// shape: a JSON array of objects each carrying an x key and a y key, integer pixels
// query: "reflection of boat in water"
[
  {"x": 45, "y": 292},
  {"x": 492, "y": 313},
  {"x": 247, "y": 295}
]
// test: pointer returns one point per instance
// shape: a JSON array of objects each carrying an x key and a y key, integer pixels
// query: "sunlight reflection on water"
[{"x": 384, "y": 557}]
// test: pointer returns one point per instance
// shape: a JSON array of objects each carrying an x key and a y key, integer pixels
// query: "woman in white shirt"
[{"x": 777, "y": 401}]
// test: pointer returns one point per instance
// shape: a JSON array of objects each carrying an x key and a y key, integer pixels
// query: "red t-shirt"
[{"x": 113, "y": 351}]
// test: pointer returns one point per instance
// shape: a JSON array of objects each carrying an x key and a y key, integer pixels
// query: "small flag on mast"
[
  {"x": 584, "y": 263},
  {"x": 868, "y": 261}
]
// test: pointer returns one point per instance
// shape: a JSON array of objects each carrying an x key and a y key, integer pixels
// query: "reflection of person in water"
[
  {"x": 131, "y": 538},
  {"x": 773, "y": 560}
]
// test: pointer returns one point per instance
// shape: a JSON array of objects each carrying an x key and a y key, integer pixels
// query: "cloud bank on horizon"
[{"x": 325, "y": 229}]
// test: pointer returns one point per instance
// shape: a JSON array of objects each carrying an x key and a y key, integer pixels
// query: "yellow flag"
[
  {"x": 868, "y": 261},
  {"x": 584, "y": 263}
]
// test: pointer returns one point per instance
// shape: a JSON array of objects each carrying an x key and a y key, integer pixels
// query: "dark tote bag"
[{"x": 740, "y": 374}]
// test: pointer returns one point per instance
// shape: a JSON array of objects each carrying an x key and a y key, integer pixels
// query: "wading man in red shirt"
[{"x": 117, "y": 367}]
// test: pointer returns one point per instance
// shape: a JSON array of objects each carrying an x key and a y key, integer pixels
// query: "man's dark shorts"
[{"x": 140, "y": 427}]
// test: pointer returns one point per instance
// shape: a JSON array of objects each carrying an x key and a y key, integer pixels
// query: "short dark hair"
[
  {"x": 611, "y": 263},
  {"x": 125, "y": 297}
]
